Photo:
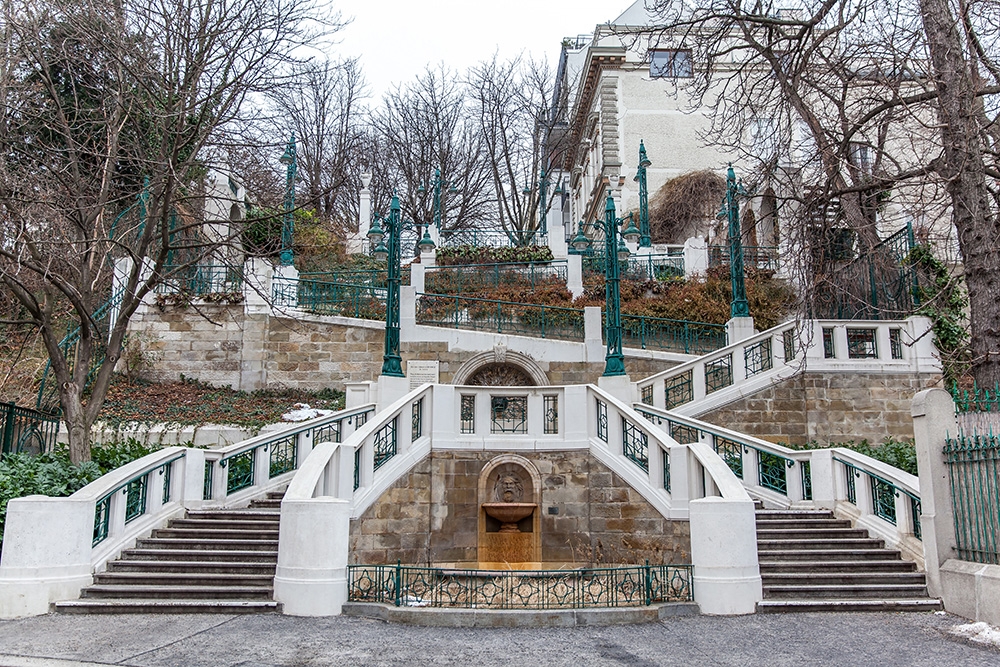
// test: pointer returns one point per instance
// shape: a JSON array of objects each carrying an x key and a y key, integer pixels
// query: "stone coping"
[{"x": 457, "y": 617}]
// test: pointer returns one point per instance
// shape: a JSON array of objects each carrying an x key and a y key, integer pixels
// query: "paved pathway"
[{"x": 883, "y": 639}]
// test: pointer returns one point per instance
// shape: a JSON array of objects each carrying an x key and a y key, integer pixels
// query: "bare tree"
[{"x": 110, "y": 102}]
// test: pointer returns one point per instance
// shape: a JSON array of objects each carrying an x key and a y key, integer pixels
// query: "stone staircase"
[
  {"x": 211, "y": 561},
  {"x": 811, "y": 561}
]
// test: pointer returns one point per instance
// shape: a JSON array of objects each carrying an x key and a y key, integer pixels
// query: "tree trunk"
[
  {"x": 77, "y": 425},
  {"x": 963, "y": 167}
]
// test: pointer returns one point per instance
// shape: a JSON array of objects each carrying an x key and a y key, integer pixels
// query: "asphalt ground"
[{"x": 850, "y": 639}]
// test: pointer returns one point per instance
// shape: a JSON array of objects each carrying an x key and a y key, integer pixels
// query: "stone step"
[
  {"x": 811, "y": 534},
  {"x": 845, "y": 591},
  {"x": 799, "y": 544},
  {"x": 206, "y": 544},
  {"x": 793, "y": 515},
  {"x": 235, "y": 515},
  {"x": 271, "y": 503},
  {"x": 184, "y": 579},
  {"x": 902, "y": 604},
  {"x": 214, "y": 533},
  {"x": 158, "y": 606},
  {"x": 800, "y": 524},
  {"x": 821, "y": 567},
  {"x": 276, "y": 494},
  {"x": 177, "y": 592},
  {"x": 862, "y": 578},
  {"x": 203, "y": 555},
  {"x": 189, "y": 566},
  {"x": 226, "y": 524},
  {"x": 783, "y": 553}
]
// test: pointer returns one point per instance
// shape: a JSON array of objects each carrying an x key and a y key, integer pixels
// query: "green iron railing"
[
  {"x": 48, "y": 392},
  {"x": 26, "y": 430},
  {"x": 199, "y": 280},
  {"x": 528, "y": 319},
  {"x": 760, "y": 258},
  {"x": 474, "y": 277},
  {"x": 490, "y": 238},
  {"x": 634, "y": 586},
  {"x": 673, "y": 335},
  {"x": 328, "y": 298},
  {"x": 368, "y": 278},
  {"x": 644, "y": 268},
  {"x": 883, "y": 494},
  {"x": 135, "y": 496},
  {"x": 974, "y": 473},
  {"x": 977, "y": 399}
]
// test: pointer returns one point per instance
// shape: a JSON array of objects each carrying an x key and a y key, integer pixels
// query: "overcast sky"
[{"x": 395, "y": 39}]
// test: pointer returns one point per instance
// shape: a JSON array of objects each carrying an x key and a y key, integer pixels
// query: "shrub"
[{"x": 901, "y": 454}]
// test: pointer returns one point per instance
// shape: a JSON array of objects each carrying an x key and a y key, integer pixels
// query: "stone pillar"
[
  {"x": 933, "y": 413},
  {"x": 739, "y": 329},
  {"x": 593, "y": 334},
  {"x": 695, "y": 257},
  {"x": 359, "y": 393},
  {"x": 619, "y": 386},
  {"x": 417, "y": 272},
  {"x": 724, "y": 552},
  {"x": 407, "y": 312},
  {"x": 313, "y": 543},
  {"x": 357, "y": 242},
  {"x": 46, "y": 553},
  {"x": 258, "y": 274},
  {"x": 574, "y": 275}
]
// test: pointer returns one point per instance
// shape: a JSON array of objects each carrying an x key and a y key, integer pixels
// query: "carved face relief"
[{"x": 508, "y": 489}]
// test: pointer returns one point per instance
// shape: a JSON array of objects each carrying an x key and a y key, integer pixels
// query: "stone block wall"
[
  {"x": 828, "y": 408},
  {"x": 431, "y": 516}
]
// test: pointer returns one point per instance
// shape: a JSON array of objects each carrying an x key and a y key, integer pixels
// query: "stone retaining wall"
[
  {"x": 827, "y": 407},
  {"x": 431, "y": 516}
]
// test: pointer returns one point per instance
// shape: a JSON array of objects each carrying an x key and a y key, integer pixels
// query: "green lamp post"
[
  {"x": 287, "y": 231},
  {"x": 645, "y": 240},
  {"x": 391, "y": 361},
  {"x": 439, "y": 183},
  {"x": 543, "y": 192},
  {"x": 615, "y": 252},
  {"x": 739, "y": 307}
]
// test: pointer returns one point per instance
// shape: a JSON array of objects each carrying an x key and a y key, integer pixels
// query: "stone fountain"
[{"x": 509, "y": 521}]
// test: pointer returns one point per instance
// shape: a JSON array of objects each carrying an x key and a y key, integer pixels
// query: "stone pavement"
[{"x": 882, "y": 639}]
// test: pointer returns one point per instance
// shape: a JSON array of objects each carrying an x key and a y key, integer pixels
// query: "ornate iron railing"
[
  {"x": 26, "y": 430},
  {"x": 135, "y": 494},
  {"x": 644, "y": 268},
  {"x": 883, "y": 494},
  {"x": 198, "y": 280},
  {"x": 405, "y": 586},
  {"x": 974, "y": 473},
  {"x": 977, "y": 399},
  {"x": 368, "y": 278},
  {"x": 491, "y": 238},
  {"x": 761, "y": 258},
  {"x": 528, "y": 319},
  {"x": 674, "y": 335},
  {"x": 473, "y": 277},
  {"x": 329, "y": 298}
]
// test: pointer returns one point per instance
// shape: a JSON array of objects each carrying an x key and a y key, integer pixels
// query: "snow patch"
[
  {"x": 301, "y": 412},
  {"x": 982, "y": 633}
]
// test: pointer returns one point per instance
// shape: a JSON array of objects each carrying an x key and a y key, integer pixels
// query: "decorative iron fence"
[
  {"x": 669, "y": 266},
  {"x": 674, "y": 335},
  {"x": 977, "y": 399},
  {"x": 462, "y": 312},
  {"x": 491, "y": 238},
  {"x": 369, "y": 278},
  {"x": 883, "y": 494},
  {"x": 974, "y": 472},
  {"x": 634, "y": 586},
  {"x": 26, "y": 430},
  {"x": 467, "y": 278},
  {"x": 328, "y": 298},
  {"x": 760, "y": 258},
  {"x": 200, "y": 280}
]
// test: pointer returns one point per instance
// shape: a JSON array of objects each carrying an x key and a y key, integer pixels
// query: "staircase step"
[
  {"x": 793, "y": 515},
  {"x": 183, "y": 579},
  {"x": 811, "y": 533},
  {"x": 224, "y": 524},
  {"x": 867, "y": 578},
  {"x": 206, "y": 545},
  {"x": 159, "y": 606},
  {"x": 845, "y": 591},
  {"x": 235, "y": 515},
  {"x": 800, "y": 524},
  {"x": 213, "y": 533},
  {"x": 799, "y": 544},
  {"x": 784, "y": 553},
  {"x": 271, "y": 503},
  {"x": 215, "y": 555},
  {"x": 901, "y": 604},
  {"x": 276, "y": 494},
  {"x": 189, "y": 566},
  {"x": 177, "y": 592},
  {"x": 823, "y": 567}
]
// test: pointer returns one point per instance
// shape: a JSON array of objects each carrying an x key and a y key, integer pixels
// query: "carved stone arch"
[{"x": 498, "y": 358}]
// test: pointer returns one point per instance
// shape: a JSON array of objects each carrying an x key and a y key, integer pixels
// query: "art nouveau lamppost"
[
  {"x": 287, "y": 230},
  {"x": 739, "y": 307},
  {"x": 615, "y": 252},
  {"x": 391, "y": 361},
  {"x": 438, "y": 185},
  {"x": 543, "y": 192},
  {"x": 645, "y": 240}
]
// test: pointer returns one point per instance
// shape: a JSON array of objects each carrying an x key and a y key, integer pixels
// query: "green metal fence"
[
  {"x": 369, "y": 277},
  {"x": 673, "y": 335},
  {"x": 974, "y": 472},
  {"x": 490, "y": 238},
  {"x": 881, "y": 284},
  {"x": 668, "y": 266},
  {"x": 463, "y": 312},
  {"x": 198, "y": 280},
  {"x": 26, "y": 430},
  {"x": 761, "y": 258},
  {"x": 48, "y": 392},
  {"x": 327, "y": 298},
  {"x": 469, "y": 278},
  {"x": 634, "y": 586},
  {"x": 977, "y": 399}
]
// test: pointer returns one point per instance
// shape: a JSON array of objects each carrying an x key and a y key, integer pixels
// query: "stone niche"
[{"x": 509, "y": 518}]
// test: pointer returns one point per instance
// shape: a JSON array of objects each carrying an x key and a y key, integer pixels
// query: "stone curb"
[{"x": 517, "y": 618}]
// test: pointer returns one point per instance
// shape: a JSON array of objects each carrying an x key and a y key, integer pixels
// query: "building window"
[{"x": 675, "y": 63}]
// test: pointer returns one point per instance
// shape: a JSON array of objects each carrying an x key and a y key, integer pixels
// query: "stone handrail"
[
  {"x": 744, "y": 367},
  {"x": 878, "y": 496}
]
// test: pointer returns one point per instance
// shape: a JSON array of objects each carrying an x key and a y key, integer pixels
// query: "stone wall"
[
  {"x": 221, "y": 345},
  {"x": 431, "y": 516},
  {"x": 827, "y": 407}
]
